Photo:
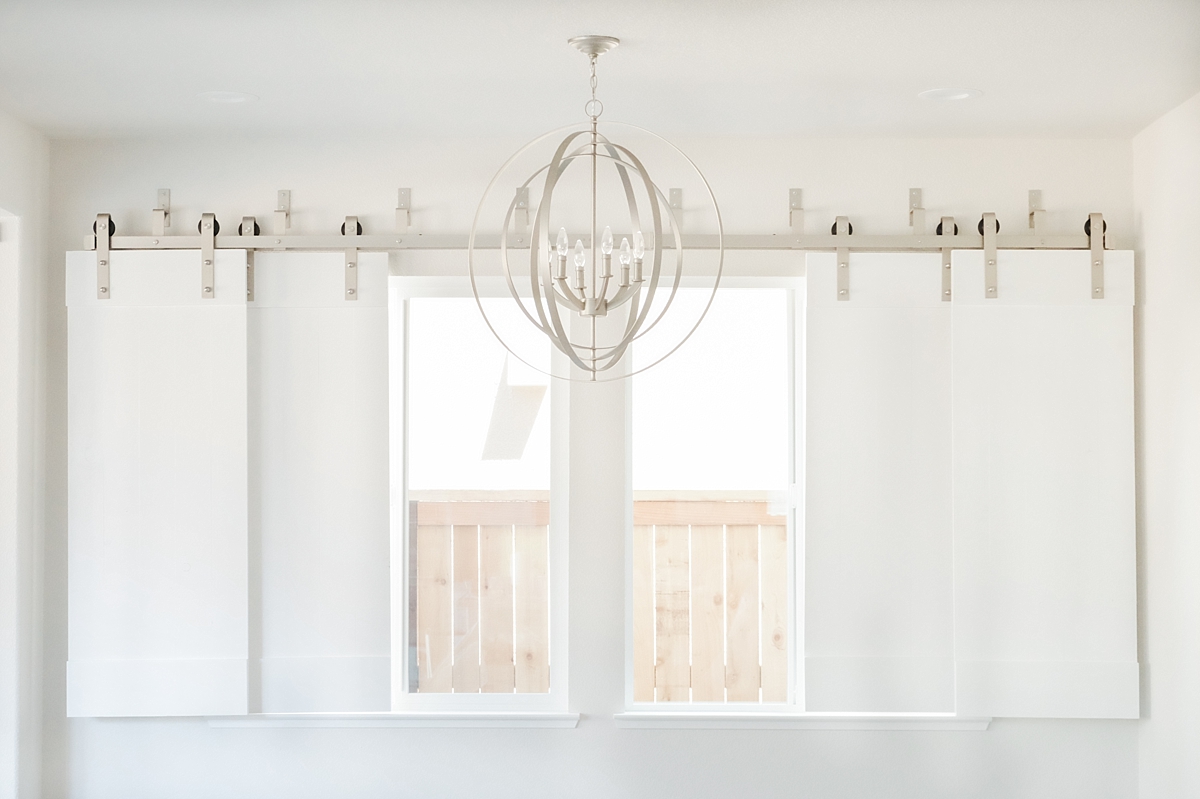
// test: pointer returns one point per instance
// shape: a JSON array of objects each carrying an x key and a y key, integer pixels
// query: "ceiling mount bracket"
[
  {"x": 796, "y": 210},
  {"x": 161, "y": 214},
  {"x": 521, "y": 217},
  {"x": 1037, "y": 211},
  {"x": 283, "y": 212},
  {"x": 403, "y": 210},
  {"x": 916, "y": 211}
]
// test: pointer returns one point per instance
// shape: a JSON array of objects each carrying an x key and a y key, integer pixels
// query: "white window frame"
[
  {"x": 657, "y": 714},
  {"x": 515, "y": 706}
]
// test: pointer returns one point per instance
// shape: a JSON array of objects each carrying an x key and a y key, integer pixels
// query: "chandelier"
[{"x": 594, "y": 293}]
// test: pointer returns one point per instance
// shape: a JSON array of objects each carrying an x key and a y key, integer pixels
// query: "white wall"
[
  {"x": 867, "y": 179},
  {"x": 1166, "y": 170},
  {"x": 23, "y": 179}
]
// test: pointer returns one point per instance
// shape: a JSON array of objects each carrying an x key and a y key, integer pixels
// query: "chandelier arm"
[
  {"x": 560, "y": 337},
  {"x": 567, "y": 297},
  {"x": 614, "y": 354}
]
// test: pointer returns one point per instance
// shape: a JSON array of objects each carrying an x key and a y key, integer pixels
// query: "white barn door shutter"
[
  {"x": 319, "y": 483},
  {"x": 878, "y": 595},
  {"x": 157, "y": 502},
  {"x": 1044, "y": 558}
]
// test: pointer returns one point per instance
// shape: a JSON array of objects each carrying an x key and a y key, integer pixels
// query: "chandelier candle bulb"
[
  {"x": 562, "y": 253},
  {"x": 639, "y": 253},
  {"x": 625, "y": 257},
  {"x": 606, "y": 247},
  {"x": 580, "y": 260}
]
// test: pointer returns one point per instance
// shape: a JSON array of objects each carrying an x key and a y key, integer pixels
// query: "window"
[
  {"x": 476, "y": 526},
  {"x": 713, "y": 467}
]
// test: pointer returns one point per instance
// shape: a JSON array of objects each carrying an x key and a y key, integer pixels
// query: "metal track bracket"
[
  {"x": 103, "y": 256},
  {"x": 841, "y": 227},
  {"x": 208, "y": 234},
  {"x": 161, "y": 214},
  {"x": 916, "y": 211},
  {"x": 283, "y": 212},
  {"x": 989, "y": 256},
  {"x": 403, "y": 210},
  {"x": 352, "y": 259},
  {"x": 796, "y": 210},
  {"x": 1096, "y": 240},
  {"x": 1037, "y": 212},
  {"x": 521, "y": 216}
]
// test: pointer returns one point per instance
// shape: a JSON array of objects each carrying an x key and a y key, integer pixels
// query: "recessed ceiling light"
[
  {"x": 949, "y": 94},
  {"x": 227, "y": 98}
]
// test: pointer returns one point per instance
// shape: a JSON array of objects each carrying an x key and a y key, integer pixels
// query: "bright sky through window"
[
  {"x": 715, "y": 415},
  {"x": 480, "y": 417}
]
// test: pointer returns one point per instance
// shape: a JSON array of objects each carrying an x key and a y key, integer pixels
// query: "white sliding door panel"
[
  {"x": 1044, "y": 558},
  {"x": 877, "y": 540},
  {"x": 157, "y": 501},
  {"x": 319, "y": 483}
]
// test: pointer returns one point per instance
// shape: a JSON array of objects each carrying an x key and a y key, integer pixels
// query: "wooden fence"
[
  {"x": 710, "y": 599},
  {"x": 710, "y": 602},
  {"x": 482, "y": 596}
]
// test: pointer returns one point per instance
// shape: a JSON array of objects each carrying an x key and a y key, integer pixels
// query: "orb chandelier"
[{"x": 595, "y": 293}]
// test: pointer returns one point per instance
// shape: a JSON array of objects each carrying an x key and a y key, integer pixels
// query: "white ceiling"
[{"x": 469, "y": 67}]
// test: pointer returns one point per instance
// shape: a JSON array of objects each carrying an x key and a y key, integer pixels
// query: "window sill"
[
  {"x": 540, "y": 720},
  {"x": 667, "y": 720}
]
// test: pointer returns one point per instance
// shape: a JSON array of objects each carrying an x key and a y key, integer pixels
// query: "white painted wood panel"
[
  {"x": 318, "y": 420},
  {"x": 157, "y": 499},
  {"x": 1044, "y": 546},
  {"x": 878, "y": 592}
]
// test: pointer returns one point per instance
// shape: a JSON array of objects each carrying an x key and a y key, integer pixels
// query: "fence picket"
[
  {"x": 643, "y": 613},
  {"x": 672, "y": 676},
  {"x": 466, "y": 608},
  {"x": 496, "y": 609},
  {"x": 708, "y": 613},
  {"x": 434, "y": 636},
  {"x": 774, "y": 613},
  {"x": 742, "y": 676},
  {"x": 532, "y": 609}
]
